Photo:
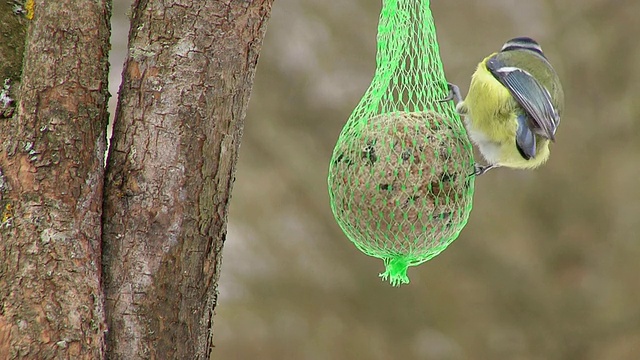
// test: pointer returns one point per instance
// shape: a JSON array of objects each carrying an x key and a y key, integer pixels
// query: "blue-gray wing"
[{"x": 530, "y": 94}]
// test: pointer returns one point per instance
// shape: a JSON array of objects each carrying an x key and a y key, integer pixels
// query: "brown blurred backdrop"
[{"x": 548, "y": 266}]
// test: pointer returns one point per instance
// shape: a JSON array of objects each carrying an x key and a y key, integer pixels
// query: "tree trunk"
[
  {"x": 51, "y": 157},
  {"x": 186, "y": 85}
]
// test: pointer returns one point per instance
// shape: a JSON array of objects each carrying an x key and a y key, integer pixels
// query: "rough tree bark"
[
  {"x": 186, "y": 85},
  {"x": 51, "y": 156}
]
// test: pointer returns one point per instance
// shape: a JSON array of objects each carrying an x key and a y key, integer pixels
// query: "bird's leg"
[
  {"x": 454, "y": 94},
  {"x": 481, "y": 169}
]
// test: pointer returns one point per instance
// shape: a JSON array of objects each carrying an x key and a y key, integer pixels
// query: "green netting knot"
[
  {"x": 400, "y": 179},
  {"x": 396, "y": 270}
]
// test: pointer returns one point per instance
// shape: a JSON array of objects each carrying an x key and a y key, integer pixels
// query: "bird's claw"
[
  {"x": 454, "y": 94},
  {"x": 481, "y": 169}
]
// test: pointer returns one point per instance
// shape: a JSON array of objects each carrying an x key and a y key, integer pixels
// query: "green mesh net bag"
[{"x": 400, "y": 179}]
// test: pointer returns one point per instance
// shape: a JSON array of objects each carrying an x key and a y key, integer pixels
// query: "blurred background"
[{"x": 548, "y": 265}]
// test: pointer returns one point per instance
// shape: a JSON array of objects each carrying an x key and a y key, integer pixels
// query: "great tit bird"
[{"x": 513, "y": 107}]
